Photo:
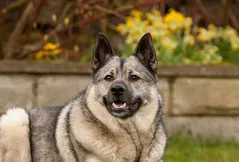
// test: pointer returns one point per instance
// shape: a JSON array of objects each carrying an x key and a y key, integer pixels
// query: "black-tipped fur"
[
  {"x": 145, "y": 52},
  {"x": 102, "y": 52}
]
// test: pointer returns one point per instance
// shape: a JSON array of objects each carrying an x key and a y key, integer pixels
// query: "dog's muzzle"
[{"x": 119, "y": 100}]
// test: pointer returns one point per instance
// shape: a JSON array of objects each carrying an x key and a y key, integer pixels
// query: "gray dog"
[{"x": 118, "y": 118}]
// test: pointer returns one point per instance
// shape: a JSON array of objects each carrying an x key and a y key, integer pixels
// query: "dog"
[{"x": 117, "y": 118}]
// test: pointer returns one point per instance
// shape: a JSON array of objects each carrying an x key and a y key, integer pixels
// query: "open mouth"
[
  {"x": 122, "y": 109},
  {"x": 119, "y": 105}
]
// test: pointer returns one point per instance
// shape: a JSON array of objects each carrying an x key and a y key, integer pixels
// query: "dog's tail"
[{"x": 14, "y": 136}]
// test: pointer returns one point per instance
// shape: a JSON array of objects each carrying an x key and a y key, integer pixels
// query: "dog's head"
[{"x": 124, "y": 85}]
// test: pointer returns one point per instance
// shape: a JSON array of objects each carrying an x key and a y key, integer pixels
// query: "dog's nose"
[{"x": 118, "y": 89}]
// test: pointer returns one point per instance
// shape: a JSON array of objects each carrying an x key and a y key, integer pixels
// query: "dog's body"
[{"x": 118, "y": 118}]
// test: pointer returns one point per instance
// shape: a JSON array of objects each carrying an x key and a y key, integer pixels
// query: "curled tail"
[{"x": 14, "y": 136}]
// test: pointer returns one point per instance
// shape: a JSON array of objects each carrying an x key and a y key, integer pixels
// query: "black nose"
[{"x": 118, "y": 89}]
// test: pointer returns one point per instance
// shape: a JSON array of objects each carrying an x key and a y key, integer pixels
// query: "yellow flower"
[
  {"x": 54, "y": 17},
  {"x": 187, "y": 30},
  {"x": 176, "y": 20},
  {"x": 50, "y": 46},
  {"x": 209, "y": 54},
  {"x": 49, "y": 49},
  {"x": 230, "y": 34},
  {"x": 205, "y": 35},
  {"x": 188, "y": 22},
  {"x": 66, "y": 20},
  {"x": 156, "y": 12},
  {"x": 234, "y": 43},
  {"x": 55, "y": 52},
  {"x": 39, "y": 55},
  {"x": 189, "y": 39},
  {"x": 136, "y": 14},
  {"x": 129, "y": 22},
  {"x": 174, "y": 16},
  {"x": 129, "y": 40},
  {"x": 121, "y": 29},
  {"x": 169, "y": 44},
  {"x": 211, "y": 27}
]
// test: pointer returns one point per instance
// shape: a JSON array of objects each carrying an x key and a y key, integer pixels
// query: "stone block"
[
  {"x": 16, "y": 91},
  {"x": 212, "y": 128},
  {"x": 203, "y": 96},
  {"x": 164, "y": 91},
  {"x": 57, "y": 90}
]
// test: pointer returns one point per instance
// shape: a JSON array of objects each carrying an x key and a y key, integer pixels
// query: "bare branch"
[
  {"x": 233, "y": 19},
  {"x": 12, "y": 6},
  {"x": 10, "y": 46},
  {"x": 208, "y": 16}
]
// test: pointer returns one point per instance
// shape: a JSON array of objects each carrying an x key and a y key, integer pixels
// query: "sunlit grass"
[{"x": 185, "y": 149}]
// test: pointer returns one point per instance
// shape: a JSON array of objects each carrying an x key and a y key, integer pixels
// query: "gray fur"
[{"x": 88, "y": 130}]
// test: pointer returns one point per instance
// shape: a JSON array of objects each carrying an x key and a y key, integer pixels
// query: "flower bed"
[{"x": 177, "y": 41}]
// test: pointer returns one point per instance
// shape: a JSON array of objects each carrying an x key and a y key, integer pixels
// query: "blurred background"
[
  {"x": 184, "y": 31},
  {"x": 46, "y": 48}
]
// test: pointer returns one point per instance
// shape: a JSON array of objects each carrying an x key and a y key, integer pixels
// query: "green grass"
[{"x": 184, "y": 149}]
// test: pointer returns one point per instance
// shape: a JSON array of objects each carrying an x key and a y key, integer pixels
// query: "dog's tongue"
[{"x": 119, "y": 105}]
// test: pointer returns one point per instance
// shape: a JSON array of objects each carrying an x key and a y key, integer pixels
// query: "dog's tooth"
[
  {"x": 123, "y": 105},
  {"x": 115, "y": 105},
  {"x": 119, "y": 106}
]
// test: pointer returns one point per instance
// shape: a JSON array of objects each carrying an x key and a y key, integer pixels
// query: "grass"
[{"x": 184, "y": 149}]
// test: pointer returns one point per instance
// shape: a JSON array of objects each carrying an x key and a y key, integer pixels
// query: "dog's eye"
[
  {"x": 133, "y": 77},
  {"x": 109, "y": 77}
]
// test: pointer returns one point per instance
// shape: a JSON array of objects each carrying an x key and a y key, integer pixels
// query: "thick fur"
[
  {"x": 89, "y": 129},
  {"x": 14, "y": 136}
]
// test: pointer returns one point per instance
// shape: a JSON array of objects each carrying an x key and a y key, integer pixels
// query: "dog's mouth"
[
  {"x": 119, "y": 105},
  {"x": 122, "y": 109}
]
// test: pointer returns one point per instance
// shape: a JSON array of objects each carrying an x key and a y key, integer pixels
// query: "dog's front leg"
[{"x": 155, "y": 151}]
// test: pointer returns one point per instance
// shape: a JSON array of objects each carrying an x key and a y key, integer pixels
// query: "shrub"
[{"x": 177, "y": 41}]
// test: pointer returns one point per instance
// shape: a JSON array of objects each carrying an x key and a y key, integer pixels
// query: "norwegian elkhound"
[{"x": 118, "y": 118}]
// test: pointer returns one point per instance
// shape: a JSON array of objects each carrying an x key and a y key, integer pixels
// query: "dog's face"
[{"x": 124, "y": 85}]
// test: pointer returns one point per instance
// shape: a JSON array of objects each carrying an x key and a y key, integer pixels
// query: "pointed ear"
[
  {"x": 145, "y": 52},
  {"x": 102, "y": 52}
]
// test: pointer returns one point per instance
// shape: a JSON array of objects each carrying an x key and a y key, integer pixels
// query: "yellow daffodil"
[
  {"x": 169, "y": 44},
  {"x": 175, "y": 31},
  {"x": 129, "y": 22},
  {"x": 121, "y": 28},
  {"x": 189, "y": 39},
  {"x": 174, "y": 20},
  {"x": 49, "y": 49},
  {"x": 136, "y": 14},
  {"x": 211, "y": 27},
  {"x": 205, "y": 35}
]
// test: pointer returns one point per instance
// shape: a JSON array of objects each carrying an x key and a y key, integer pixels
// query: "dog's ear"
[
  {"x": 145, "y": 52},
  {"x": 102, "y": 52}
]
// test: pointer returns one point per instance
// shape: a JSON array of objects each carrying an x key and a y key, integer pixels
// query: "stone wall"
[{"x": 202, "y": 101}]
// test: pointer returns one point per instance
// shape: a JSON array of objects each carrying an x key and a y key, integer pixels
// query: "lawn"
[{"x": 185, "y": 149}]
